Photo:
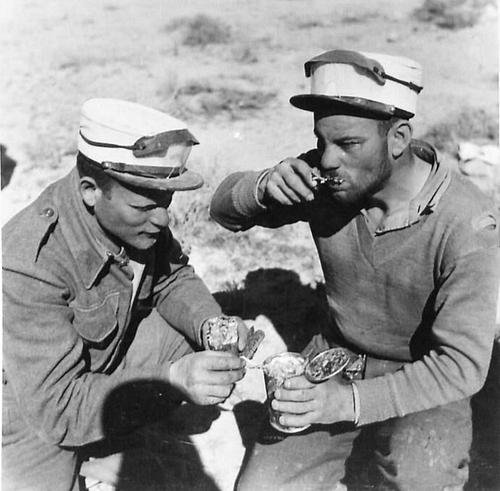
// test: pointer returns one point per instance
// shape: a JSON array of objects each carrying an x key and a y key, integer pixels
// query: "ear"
[
  {"x": 89, "y": 191},
  {"x": 399, "y": 138}
]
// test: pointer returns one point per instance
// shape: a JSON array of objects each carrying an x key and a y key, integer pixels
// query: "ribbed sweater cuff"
[
  {"x": 244, "y": 194},
  {"x": 378, "y": 400}
]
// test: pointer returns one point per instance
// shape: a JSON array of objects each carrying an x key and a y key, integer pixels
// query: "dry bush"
[
  {"x": 205, "y": 100},
  {"x": 244, "y": 53},
  {"x": 452, "y": 14},
  {"x": 468, "y": 124},
  {"x": 200, "y": 30}
]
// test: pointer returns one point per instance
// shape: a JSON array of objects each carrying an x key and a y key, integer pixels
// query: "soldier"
[
  {"x": 101, "y": 308},
  {"x": 409, "y": 251}
]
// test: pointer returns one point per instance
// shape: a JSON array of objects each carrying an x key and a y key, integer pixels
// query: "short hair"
[
  {"x": 385, "y": 125},
  {"x": 90, "y": 168}
]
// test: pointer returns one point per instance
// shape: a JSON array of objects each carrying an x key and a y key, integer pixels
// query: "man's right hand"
[
  {"x": 288, "y": 183},
  {"x": 207, "y": 377}
]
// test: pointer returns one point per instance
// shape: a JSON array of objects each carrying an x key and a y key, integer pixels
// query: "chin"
[
  {"x": 141, "y": 245},
  {"x": 346, "y": 199}
]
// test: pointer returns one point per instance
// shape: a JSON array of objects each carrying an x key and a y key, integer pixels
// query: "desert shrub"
[
  {"x": 452, "y": 14},
  {"x": 200, "y": 30},
  {"x": 468, "y": 124},
  {"x": 205, "y": 100},
  {"x": 360, "y": 17},
  {"x": 244, "y": 53}
]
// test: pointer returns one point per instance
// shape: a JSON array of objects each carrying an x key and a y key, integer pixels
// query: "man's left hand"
[
  {"x": 242, "y": 334},
  {"x": 303, "y": 402}
]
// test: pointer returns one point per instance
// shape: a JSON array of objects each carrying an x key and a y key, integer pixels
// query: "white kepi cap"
[
  {"x": 362, "y": 83},
  {"x": 137, "y": 145}
]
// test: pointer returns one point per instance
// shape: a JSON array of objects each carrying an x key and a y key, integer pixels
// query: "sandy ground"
[{"x": 55, "y": 54}]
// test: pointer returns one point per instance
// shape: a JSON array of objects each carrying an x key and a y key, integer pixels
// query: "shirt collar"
[
  {"x": 90, "y": 245},
  {"x": 428, "y": 198}
]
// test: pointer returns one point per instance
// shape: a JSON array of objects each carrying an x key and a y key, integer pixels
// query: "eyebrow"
[{"x": 342, "y": 138}]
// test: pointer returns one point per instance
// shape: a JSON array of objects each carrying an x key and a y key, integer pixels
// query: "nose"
[
  {"x": 159, "y": 217},
  {"x": 331, "y": 158}
]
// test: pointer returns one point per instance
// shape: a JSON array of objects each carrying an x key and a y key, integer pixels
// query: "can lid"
[{"x": 326, "y": 364}]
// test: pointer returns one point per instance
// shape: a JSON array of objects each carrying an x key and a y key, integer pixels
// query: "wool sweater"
[{"x": 421, "y": 290}]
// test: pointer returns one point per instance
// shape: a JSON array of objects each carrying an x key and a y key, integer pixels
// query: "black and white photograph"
[{"x": 250, "y": 245}]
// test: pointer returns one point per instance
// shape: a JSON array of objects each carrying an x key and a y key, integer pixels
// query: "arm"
[
  {"x": 179, "y": 294},
  {"x": 271, "y": 198},
  {"x": 461, "y": 333},
  {"x": 181, "y": 297}
]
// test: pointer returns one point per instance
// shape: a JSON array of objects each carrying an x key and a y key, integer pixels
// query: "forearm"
[
  {"x": 239, "y": 204},
  {"x": 235, "y": 204},
  {"x": 462, "y": 331},
  {"x": 185, "y": 302}
]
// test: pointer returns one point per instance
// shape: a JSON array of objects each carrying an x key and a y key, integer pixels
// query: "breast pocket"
[{"x": 98, "y": 323}]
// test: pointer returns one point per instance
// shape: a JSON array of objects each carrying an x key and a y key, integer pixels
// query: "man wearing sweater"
[{"x": 409, "y": 251}]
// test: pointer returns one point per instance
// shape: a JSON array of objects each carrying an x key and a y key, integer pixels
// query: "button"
[{"x": 47, "y": 212}]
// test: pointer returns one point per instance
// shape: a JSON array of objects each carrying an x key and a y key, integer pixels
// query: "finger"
[
  {"x": 219, "y": 391},
  {"x": 301, "y": 185},
  {"x": 224, "y": 377},
  {"x": 242, "y": 334},
  {"x": 293, "y": 407},
  {"x": 296, "y": 383},
  {"x": 301, "y": 173},
  {"x": 212, "y": 400},
  {"x": 222, "y": 361},
  {"x": 298, "y": 395},
  {"x": 295, "y": 420},
  {"x": 276, "y": 193},
  {"x": 295, "y": 192},
  {"x": 290, "y": 185}
]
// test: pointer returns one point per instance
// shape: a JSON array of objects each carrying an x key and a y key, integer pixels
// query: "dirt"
[{"x": 234, "y": 96}]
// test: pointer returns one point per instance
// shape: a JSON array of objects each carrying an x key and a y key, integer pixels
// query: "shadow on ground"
[
  {"x": 297, "y": 312},
  {"x": 157, "y": 457}
]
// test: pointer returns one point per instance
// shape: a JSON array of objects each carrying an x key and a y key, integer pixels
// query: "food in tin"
[
  {"x": 277, "y": 369},
  {"x": 222, "y": 334},
  {"x": 326, "y": 364}
]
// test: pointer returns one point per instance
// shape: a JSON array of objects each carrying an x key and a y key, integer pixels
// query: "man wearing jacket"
[
  {"x": 409, "y": 251},
  {"x": 101, "y": 308}
]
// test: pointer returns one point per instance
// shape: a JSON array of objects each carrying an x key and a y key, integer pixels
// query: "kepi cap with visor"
[
  {"x": 376, "y": 84},
  {"x": 137, "y": 145}
]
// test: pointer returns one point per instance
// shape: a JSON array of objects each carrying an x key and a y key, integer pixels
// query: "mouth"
[{"x": 327, "y": 180}]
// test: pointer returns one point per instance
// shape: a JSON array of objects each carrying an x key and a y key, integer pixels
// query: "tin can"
[{"x": 277, "y": 369}]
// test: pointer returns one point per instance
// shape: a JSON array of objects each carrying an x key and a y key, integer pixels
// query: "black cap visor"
[{"x": 351, "y": 106}]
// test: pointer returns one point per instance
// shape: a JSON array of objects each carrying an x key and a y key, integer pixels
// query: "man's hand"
[
  {"x": 242, "y": 334},
  {"x": 288, "y": 183},
  {"x": 303, "y": 402},
  {"x": 207, "y": 377}
]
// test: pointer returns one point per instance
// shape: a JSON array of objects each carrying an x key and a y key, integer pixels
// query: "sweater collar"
[{"x": 428, "y": 198}]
